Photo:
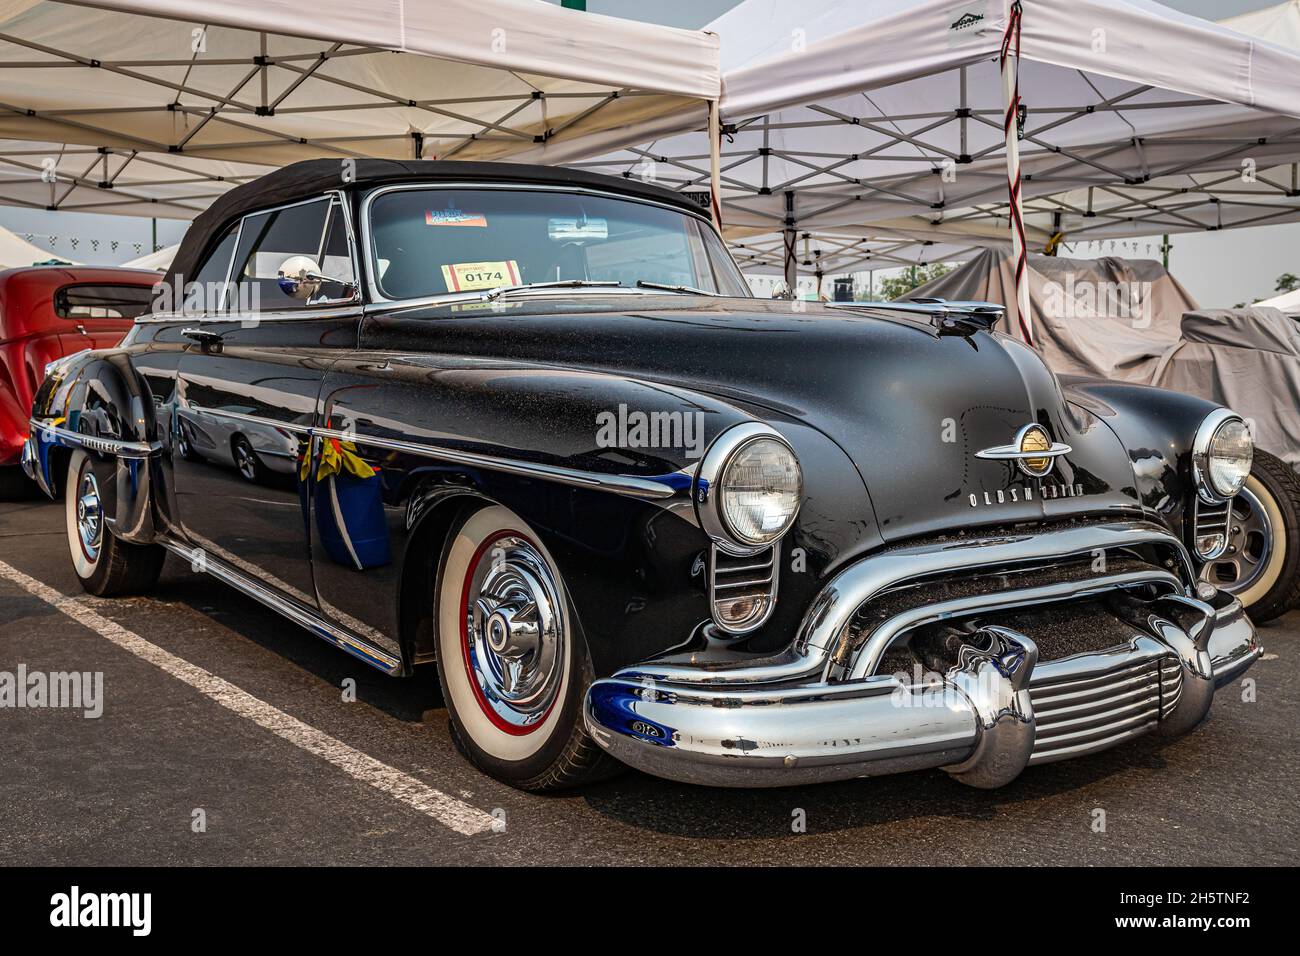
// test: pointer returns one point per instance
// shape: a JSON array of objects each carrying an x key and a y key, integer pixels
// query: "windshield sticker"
[
  {"x": 454, "y": 217},
  {"x": 467, "y": 276}
]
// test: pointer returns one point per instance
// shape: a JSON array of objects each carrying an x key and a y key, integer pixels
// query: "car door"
[{"x": 247, "y": 391}]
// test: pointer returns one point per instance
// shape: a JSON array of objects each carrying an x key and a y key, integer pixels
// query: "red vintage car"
[{"x": 47, "y": 312}]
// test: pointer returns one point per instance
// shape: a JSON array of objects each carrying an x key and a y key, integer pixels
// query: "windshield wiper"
[
  {"x": 560, "y": 284},
  {"x": 683, "y": 289}
]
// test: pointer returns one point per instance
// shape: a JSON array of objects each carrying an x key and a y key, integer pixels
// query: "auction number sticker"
[{"x": 467, "y": 276}]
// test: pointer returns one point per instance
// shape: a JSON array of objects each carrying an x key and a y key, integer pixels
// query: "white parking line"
[{"x": 448, "y": 811}]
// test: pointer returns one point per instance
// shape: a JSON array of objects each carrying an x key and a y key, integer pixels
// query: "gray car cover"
[
  {"x": 1089, "y": 315},
  {"x": 1248, "y": 360},
  {"x": 1130, "y": 320}
]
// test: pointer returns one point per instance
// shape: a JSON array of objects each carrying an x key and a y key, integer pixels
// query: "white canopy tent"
[
  {"x": 1279, "y": 24},
  {"x": 1288, "y": 302},
  {"x": 160, "y": 260},
  {"x": 114, "y": 180},
  {"x": 16, "y": 251},
  {"x": 170, "y": 101},
  {"x": 838, "y": 114}
]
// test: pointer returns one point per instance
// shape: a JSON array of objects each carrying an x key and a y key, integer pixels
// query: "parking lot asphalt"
[{"x": 218, "y": 712}]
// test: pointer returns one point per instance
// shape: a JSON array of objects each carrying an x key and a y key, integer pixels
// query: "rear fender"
[{"x": 95, "y": 401}]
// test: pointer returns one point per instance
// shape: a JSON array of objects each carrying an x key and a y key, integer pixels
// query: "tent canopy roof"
[
  {"x": 392, "y": 78},
  {"x": 1117, "y": 93}
]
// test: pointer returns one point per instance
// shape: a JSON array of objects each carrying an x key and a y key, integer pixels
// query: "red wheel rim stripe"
[{"x": 484, "y": 704}]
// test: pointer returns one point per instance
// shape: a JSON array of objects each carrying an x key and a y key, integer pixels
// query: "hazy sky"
[{"x": 1219, "y": 269}]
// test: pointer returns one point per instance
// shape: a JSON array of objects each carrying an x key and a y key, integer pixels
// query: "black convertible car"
[{"x": 527, "y": 425}]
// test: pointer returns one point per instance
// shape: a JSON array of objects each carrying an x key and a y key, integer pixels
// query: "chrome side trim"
[
  {"x": 1013, "y": 452},
  {"x": 107, "y": 446},
  {"x": 251, "y": 419},
  {"x": 341, "y": 638},
  {"x": 226, "y": 318},
  {"x": 649, "y": 488}
]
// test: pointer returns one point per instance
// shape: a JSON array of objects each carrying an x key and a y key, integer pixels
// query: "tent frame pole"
[
  {"x": 790, "y": 262},
  {"x": 1010, "y": 63},
  {"x": 715, "y": 163}
]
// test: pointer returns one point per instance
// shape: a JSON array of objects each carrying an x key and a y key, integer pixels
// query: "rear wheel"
[
  {"x": 511, "y": 662},
  {"x": 105, "y": 566},
  {"x": 250, "y": 466},
  {"x": 1262, "y": 563}
]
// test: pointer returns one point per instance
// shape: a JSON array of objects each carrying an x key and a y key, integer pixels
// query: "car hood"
[{"x": 910, "y": 407}]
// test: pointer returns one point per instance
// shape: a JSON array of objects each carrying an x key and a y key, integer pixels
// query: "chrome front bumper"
[{"x": 820, "y": 711}]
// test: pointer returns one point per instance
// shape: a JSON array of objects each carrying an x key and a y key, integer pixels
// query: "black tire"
[
  {"x": 105, "y": 565},
  {"x": 247, "y": 462},
  {"x": 185, "y": 449},
  {"x": 1263, "y": 570},
  {"x": 556, "y": 753},
  {"x": 14, "y": 484}
]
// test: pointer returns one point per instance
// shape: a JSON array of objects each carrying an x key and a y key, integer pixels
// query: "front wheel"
[
  {"x": 1262, "y": 563},
  {"x": 511, "y": 662},
  {"x": 105, "y": 565}
]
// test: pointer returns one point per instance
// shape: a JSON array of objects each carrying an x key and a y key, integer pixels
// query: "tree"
[
  {"x": 1287, "y": 282},
  {"x": 913, "y": 278}
]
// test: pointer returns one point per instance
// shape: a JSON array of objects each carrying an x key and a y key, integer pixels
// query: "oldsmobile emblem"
[{"x": 1032, "y": 451}]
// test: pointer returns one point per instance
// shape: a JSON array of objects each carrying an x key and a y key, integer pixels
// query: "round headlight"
[
  {"x": 1228, "y": 460},
  {"x": 760, "y": 492}
]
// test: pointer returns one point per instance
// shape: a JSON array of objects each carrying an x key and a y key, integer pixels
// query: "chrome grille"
[
  {"x": 1094, "y": 702},
  {"x": 1211, "y": 520},
  {"x": 742, "y": 582}
]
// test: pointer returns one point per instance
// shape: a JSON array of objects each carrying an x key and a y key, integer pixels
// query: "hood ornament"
[{"x": 1032, "y": 451}]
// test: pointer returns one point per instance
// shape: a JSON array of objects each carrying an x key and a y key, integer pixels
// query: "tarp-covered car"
[{"x": 548, "y": 444}]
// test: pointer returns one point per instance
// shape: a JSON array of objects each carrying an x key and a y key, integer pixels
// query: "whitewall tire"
[{"x": 511, "y": 659}]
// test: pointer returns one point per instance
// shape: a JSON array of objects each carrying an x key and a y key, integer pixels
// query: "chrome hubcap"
[
  {"x": 90, "y": 523},
  {"x": 514, "y": 633},
  {"x": 1250, "y": 545},
  {"x": 244, "y": 461}
]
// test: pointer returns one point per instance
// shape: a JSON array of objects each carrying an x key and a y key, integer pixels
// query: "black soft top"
[{"x": 313, "y": 177}]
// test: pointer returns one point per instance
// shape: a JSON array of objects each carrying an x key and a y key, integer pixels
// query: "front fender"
[
  {"x": 1157, "y": 428},
  {"x": 97, "y": 402}
]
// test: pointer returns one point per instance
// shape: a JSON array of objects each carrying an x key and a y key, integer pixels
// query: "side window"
[
  {"x": 728, "y": 277},
  {"x": 211, "y": 277},
  {"x": 292, "y": 258},
  {"x": 336, "y": 259}
]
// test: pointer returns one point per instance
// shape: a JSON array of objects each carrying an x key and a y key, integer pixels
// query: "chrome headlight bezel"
[
  {"x": 1202, "y": 447},
  {"x": 712, "y": 474}
]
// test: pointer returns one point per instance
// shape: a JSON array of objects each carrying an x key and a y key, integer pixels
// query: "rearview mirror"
[{"x": 576, "y": 230}]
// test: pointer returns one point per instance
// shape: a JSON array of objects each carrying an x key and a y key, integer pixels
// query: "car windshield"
[{"x": 438, "y": 240}]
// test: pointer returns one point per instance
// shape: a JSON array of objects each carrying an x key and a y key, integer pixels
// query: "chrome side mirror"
[{"x": 300, "y": 277}]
